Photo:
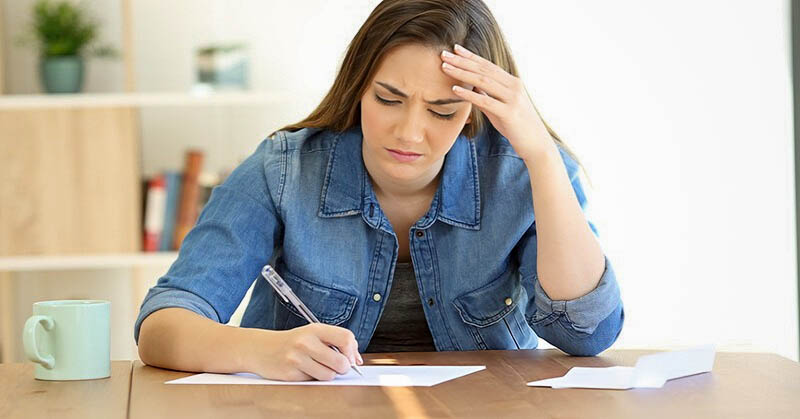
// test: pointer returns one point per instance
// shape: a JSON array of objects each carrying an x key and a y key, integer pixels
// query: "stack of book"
[{"x": 173, "y": 200}]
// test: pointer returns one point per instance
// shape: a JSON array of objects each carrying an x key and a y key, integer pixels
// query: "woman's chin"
[{"x": 402, "y": 173}]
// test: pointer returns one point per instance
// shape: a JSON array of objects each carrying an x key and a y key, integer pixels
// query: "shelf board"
[
  {"x": 86, "y": 262},
  {"x": 154, "y": 99}
]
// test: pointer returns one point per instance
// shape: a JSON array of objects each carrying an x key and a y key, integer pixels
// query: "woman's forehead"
[{"x": 415, "y": 69}]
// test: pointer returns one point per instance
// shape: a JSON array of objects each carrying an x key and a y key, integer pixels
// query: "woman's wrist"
[
  {"x": 548, "y": 153},
  {"x": 253, "y": 347}
]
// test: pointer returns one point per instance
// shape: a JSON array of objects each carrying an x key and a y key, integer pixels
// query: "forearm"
[
  {"x": 570, "y": 261},
  {"x": 179, "y": 339}
]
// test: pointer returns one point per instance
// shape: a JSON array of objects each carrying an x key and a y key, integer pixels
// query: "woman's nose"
[{"x": 411, "y": 128}]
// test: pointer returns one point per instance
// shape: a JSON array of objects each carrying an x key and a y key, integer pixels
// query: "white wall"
[
  {"x": 680, "y": 111},
  {"x": 294, "y": 47}
]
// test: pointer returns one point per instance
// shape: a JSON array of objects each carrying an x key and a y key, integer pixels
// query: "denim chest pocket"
[
  {"x": 329, "y": 305},
  {"x": 493, "y": 315}
]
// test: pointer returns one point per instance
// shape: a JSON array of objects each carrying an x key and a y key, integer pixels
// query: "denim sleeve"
[
  {"x": 235, "y": 235},
  {"x": 583, "y": 326}
]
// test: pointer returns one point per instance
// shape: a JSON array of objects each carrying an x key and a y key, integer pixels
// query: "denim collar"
[{"x": 347, "y": 189}]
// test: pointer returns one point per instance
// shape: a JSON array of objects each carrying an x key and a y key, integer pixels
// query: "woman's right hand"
[{"x": 303, "y": 353}]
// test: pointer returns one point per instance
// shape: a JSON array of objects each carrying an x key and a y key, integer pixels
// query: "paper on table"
[
  {"x": 651, "y": 371},
  {"x": 386, "y": 376}
]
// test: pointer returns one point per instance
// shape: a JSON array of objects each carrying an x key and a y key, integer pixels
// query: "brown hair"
[{"x": 437, "y": 24}]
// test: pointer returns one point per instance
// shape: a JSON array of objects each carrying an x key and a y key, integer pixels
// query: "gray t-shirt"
[{"x": 402, "y": 326}]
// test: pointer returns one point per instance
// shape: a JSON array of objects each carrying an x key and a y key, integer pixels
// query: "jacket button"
[
  {"x": 509, "y": 301},
  {"x": 420, "y": 233},
  {"x": 376, "y": 297},
  {"x": 430, "y": 302}
]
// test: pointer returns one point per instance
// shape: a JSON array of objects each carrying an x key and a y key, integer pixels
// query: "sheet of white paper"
[
  {"x": 611, "y": 377},
  {"x": 651, "y": 371},
  {"x": 655, "y": 369},
  {"x": 374, "y": 375}
]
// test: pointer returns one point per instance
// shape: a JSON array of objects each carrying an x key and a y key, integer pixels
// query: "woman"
[{"x": 401, "y": 211}]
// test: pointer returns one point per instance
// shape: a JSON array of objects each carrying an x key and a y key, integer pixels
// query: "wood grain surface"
[
  {"x": 70, "y": 181},
  {"x": 22, "y": 396},
  {"x": 741, "y": 385}
]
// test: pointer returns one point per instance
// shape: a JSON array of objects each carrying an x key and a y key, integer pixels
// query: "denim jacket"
[{"x": 304, "y": 203}]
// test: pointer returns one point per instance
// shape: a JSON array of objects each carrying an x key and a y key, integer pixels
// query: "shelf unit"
[
  {"x": 71, "y": 165},
  {"x": 139, "y": 100},
  {"x": 86, "y": 262},
  {"x": 107, "y": 142}
]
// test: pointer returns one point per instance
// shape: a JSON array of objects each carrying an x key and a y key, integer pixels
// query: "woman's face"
[{"x": 410, "y": 116}]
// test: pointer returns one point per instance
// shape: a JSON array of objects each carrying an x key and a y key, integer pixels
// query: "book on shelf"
[
  {"x": 173, "y": 186},
  {"x": 154, "y": 213},
  {"x": 173, "y": 201}
]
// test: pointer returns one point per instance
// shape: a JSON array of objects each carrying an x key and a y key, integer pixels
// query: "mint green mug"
[{"x": 69, "y": 339}]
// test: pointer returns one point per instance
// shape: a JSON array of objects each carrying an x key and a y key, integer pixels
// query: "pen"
[{"x": 286, "y": 293}]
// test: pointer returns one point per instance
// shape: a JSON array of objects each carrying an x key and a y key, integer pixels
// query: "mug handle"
[{"x": 29, "y": 340}]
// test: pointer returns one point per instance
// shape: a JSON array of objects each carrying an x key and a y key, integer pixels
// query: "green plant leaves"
[{"x": 63, "y": 28}]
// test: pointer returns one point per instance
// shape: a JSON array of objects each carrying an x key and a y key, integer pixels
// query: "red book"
[{"x": 154, "y": 213}]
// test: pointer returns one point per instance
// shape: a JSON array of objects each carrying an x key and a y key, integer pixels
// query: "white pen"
[{"x": 286, "y": 293}]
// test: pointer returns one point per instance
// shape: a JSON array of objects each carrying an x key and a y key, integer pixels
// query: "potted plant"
[{"x": 65, "y": 34}]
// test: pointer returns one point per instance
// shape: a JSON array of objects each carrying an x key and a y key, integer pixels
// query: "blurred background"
[{"x": 681, "y": 112}]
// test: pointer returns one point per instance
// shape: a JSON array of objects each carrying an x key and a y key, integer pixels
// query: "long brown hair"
[{"x": 437, "y": 24}]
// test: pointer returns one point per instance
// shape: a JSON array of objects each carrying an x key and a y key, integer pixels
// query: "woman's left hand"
[{"x": 502, "y": 98}]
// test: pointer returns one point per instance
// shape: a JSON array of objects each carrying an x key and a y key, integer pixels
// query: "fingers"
[
  {"x": 484, "y": 82},
  {"x": 477, "y": 64},
  {"x": 304, "y": 365},
  {"x": 329, "y": 357},
  {"x": 341, "y": 338},
  {"x": 293, "y": 373},
  {"x": 469, "y": 54},
  {"x": 483, "y": 101},
  {"x": 310, "y": 356},
  {"x": 307, "y": 353},
  {"x": 490, "y": 67}
]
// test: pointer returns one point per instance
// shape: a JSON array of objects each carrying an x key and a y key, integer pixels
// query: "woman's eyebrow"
[{"x": 397, "y": 92}]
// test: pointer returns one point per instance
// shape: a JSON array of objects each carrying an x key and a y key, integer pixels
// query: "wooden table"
[
  {"x": 741, "y": 385},
  {"x": 22, "y": 396}
]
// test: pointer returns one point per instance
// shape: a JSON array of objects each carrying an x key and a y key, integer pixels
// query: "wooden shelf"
[
  {"x": 86, "y": 262},
  {"x": 155, "y": 99}
]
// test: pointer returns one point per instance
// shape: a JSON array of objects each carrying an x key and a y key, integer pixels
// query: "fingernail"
[
  {"x": 447, "y": 54},
  {"x": 360, "y": 360},
  {"x": 460, "y": 48},
  {"x": 447, "y": 66}
]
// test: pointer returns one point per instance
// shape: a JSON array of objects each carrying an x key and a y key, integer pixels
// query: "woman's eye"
[
  {"x": 386, "y": 102},
  {"x": 395, "y": 102},
  {"x": 440, "y": 116}
]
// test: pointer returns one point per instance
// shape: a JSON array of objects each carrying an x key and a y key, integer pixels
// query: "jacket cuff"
[
  {"x": 586, "y": 312},
  {"x": 159, "y": 298}
]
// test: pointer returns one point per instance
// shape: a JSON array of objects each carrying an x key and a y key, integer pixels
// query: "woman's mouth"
[{"x": 403, "y": 156}]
